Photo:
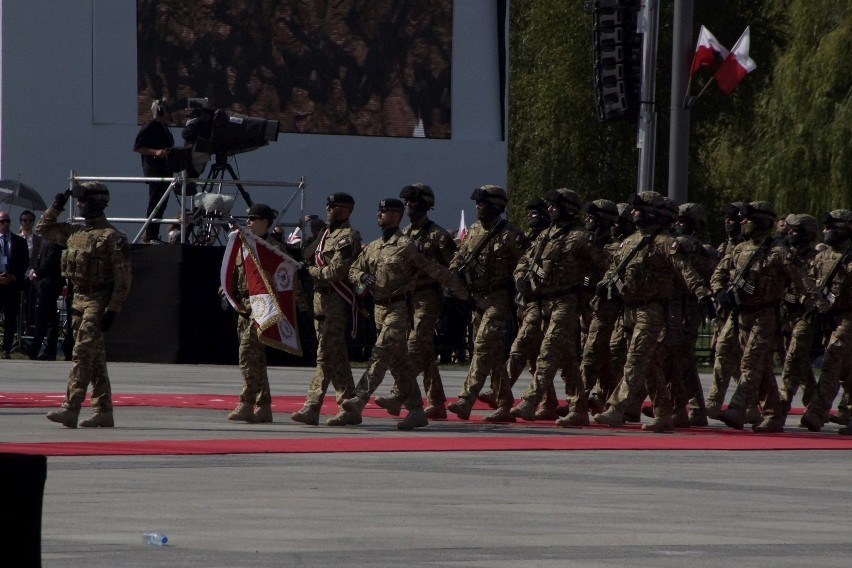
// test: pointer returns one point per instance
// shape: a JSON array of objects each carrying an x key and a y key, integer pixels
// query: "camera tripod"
[{"x": 207, "y": 225}]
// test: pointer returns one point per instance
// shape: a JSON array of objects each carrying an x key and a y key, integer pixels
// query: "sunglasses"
[{"x": 5, "y": 221}]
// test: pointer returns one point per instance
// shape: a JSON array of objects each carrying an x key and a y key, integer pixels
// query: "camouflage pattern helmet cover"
[
  {"x": 564, "y": 197},
  {"x": 91, "y": 191},
  {"x": 493, "y": 194},
  {"x": 603, "y": 208},
  {"x": 418, "y": 191},
  {"x": 694, "y": 211},
  {"x": 802, "y": 222}
]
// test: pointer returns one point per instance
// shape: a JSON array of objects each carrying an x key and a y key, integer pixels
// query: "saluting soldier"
[
  {"x": 333, "y": 298},
  {"x": 97, "y": 261},
  {"x": 388, "y": 267}
]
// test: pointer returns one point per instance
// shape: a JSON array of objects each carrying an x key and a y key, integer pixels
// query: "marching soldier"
[
  {"x": 388, "y": 267},
  {"x": 485, "y": 261},
  {"x": 427, "y": 299},
  {"x": 97, "y": 261},
  {"x": 333, "y": 297},
  {"x": 832, "y": 269},
  {"x": 750, "y": 281},
  {"x": 551, "y": 273},
  {"x": 643, "y": 273}
]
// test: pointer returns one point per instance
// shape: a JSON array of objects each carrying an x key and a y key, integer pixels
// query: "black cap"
[
  {"x": 340, "y": 198},
  {"x": 263, "y": 211},
  {"x": 391, "y": 204}
]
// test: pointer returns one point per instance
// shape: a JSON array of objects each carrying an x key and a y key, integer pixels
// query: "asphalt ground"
[{"x": 471, "y": 508}]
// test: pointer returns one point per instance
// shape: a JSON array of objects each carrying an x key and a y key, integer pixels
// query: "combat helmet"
[
  {"x": 838, "y": 215},
  {"x": 605, "y": 209},
  {"x": 695, "y": 212},
  {"x": 564, "y": 197},
  {"x": 493, "y": 194},
  {"x": 91, "y": 191},
  {"x": 418, "y": 191},
  {"x": 804, "y": 223},
  {"x": 759, "y": 209}
]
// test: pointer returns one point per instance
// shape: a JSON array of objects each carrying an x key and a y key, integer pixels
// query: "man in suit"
[{"x": 14, "y": 261}]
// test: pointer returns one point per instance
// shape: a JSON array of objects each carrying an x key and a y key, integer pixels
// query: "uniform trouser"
[
  {"x": 682, "y": 370},
  {"x": 642, "y": 370},
  {"x": 155, "y": 193},
  {"x": 427, "y": 306},
  {"x": 797, "y": 371},
  {"x": 596, "y": 363},
  {"x": 10, "y": 303},
  {"x": 252, "y": 361},
  {"x": 836, "y": 366},
  {"x": 330, "y": 315},
  {"x": 391, "y": 353},
  {"x": 559, "y": 351},
  {"x": 489, "y": 321},
  {"x": 88, "y": 359},
  {"x": 758, "y": 335},
  {"x": 726, "y": 364},
  {"x": 525, "y": 350},
  {"x": 47, "y": 317}
]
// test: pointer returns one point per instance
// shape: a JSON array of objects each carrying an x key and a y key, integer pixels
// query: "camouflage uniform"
[
  {"x": 648, "y": 283},
  {"x": 757, "y": 319},
  {"x": 395, "y": 262},
  {"x": 488, "y": 282},
  {"x": 797, "y": 371},
  {"x": 555, "y": 265},
  {"x": 338, "y": 248},
  {"x": 427, "y": 301},
  {"x": 97, "y": 262},
  {"x": 837, "y": 364}
]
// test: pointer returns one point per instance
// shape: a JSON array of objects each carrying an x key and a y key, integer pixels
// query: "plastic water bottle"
[{"x": 155, "y": 538}]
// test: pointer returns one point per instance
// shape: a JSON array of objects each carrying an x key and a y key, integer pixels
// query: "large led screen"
[{"x": 350, "y": 67}]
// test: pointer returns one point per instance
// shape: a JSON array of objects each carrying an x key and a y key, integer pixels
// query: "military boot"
[
  {"x": 713, "y": 408},
  {"x": 525, "y": 409},
  {"x": 698, "y": 417},
  {"x": 612, "y": 416},
  {"x": 846, "y": 430},
  {"x": 64, "y": 416},
  {"x": 263, "y": 413},
  {"x": 733, "y": 417},
  {"x": 390, "y": 403},
  {"x": 812, "y": 421},
  {"x": 680, "y": 418},
  {"x": 596, "y": 404},
  {"x": 355, "y": 405},
  {"x": 242, "y": 413},
  {"x": 488, "y": 397},
  {"x": 502, "y": 414},
  {"x": 841, "y": 417},
  {"x": 461, "y": 408},
  {"x": 306, "y": 415},
  {"x": 647, "y": 411},
  {"x": 546, "y": 413},
  {"x": 771, "y": 424},
  {"x": 660, "y": 425},
  {"x": 574, "y": 420},
  {"x": 99, "y": 420},
  {"x": 416, "y": 418},
  {"x": 436, "y": 412},
  {"x": 752, "y": 415},
  {"x": 344, "y": 418}
]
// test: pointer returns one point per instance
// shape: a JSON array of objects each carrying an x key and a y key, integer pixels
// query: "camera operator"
[{"x": 151, "y": 142}]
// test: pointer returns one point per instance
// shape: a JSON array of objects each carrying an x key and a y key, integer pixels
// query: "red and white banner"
[
  {"x": 295, "y": 238},
  {"x": 708, "y": 52},
  {"x": 736, "y": 65},
  {"x": 270, "y": 275},
  {"x": 462, "y": 228}
]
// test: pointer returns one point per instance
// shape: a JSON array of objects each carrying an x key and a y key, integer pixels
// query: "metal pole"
[
  {"x": 649, "y": 23},
  {"x": 679, "y": 128}
]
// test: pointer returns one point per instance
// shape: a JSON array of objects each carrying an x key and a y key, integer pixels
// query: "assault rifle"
[
  {"x": 825, "y": 285},
  {"x": 613, "y": 284},
  {"x": 535, "y": 271},
  {"x": 738, "y": 283},
  {"x": 471, "y": 261}
]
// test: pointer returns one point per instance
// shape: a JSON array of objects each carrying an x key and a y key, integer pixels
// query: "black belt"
[
  {"x": 559, "y": 294},
  {"x": 321, "y": 290},
  {"x": 488, "y": 289},
  {"x": 91, "y": 289},
  {"x": 756, "y": 307},
  {"x": 389, "y": 300}
]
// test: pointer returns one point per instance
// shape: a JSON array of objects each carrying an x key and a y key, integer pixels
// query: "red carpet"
[
  {"x": 593, "y": 438},
  {"x": 423, "y": 442}
]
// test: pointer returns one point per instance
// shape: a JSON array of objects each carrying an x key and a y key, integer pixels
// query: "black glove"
[
  {"x": 708, "y": 307},
  {"x": 601, "y": 291},
  {"x": 107, "y": 320},
  {"x": 724, "y": 301},
  {"x": 368, "y": 279},
  {"x": 524, "y": 287},
  {"x": 61, "y": 199}
]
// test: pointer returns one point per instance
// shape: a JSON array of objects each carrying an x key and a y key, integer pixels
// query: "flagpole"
[{"x": 701, "y": 92}]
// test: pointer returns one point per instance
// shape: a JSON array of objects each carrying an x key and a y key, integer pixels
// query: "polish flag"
[
  {"x": 462, "y": 228},
  {"x": 708, "y": 52},
  {"x": 736, "y": 65},
  {"x": 295, "y": 238}
]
